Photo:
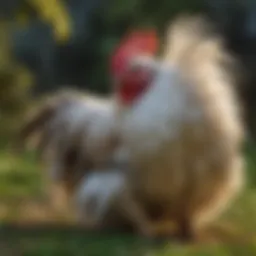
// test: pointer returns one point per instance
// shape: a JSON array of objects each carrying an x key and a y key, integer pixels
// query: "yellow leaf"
[{"x": 55, "y": 13}]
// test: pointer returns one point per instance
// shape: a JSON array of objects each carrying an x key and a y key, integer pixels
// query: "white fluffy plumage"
[{"x": 184, "y": 136}]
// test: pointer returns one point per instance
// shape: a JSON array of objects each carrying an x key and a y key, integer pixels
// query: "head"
[{"x": 133, "y": 66}]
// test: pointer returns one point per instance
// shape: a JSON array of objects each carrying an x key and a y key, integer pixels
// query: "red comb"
[{"x": 138, "y": 42}]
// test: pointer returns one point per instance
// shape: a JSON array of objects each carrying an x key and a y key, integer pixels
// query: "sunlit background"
[{"x": 48, "y": 44}]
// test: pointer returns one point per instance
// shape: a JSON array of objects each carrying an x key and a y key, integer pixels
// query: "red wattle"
[{"x": 133, "y": 85}]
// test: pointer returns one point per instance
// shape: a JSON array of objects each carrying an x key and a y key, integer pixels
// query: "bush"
[{"x": 15, "y": 82}]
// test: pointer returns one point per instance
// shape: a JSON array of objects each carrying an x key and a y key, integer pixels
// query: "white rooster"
[{"x": 180, "y": 126}]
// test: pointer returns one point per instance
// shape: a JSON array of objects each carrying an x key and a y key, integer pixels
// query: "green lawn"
[{"x": 21, "y": 184}]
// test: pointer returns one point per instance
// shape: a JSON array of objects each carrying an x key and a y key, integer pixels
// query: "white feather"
[{"x": 101, "y": 187}]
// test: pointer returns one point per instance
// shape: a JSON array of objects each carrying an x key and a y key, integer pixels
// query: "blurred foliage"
[
  {"x": 15, "y": 82},
  {"x": 55, "y": 13}
]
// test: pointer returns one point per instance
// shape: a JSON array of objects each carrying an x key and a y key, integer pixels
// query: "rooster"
[{"x": 180, "y": 125}]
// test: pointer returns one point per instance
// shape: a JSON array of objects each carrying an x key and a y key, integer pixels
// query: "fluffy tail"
[
  {"x": 206, "y": 68},
  {"x": 198, "y": 52},
  {"x": 191, "y": 37}
]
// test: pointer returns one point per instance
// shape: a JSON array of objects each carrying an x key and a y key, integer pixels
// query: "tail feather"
[
  {"x": 39, "y": 121},
  {"x": 34, "y": 125},
  {"x": 192, "y": 43},
  {"x": 184, "y": 35},
  {"x": 198, "y": 52}
]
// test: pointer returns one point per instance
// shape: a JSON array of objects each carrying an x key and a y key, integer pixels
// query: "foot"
[
  {"x": 159, "y": 229},
  {"x": 186, "y": 233}
]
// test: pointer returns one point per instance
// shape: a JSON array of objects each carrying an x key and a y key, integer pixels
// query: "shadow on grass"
[{"x": 68, "y": 242}]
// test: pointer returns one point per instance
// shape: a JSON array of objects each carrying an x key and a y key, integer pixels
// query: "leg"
[
  {"x": 134, "y": 212},
  {"x": 138, "y": 216},
  {"x": 186, "y": 232}
]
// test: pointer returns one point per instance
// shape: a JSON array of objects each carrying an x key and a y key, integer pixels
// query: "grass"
[{"x": 21, "y": 192}]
